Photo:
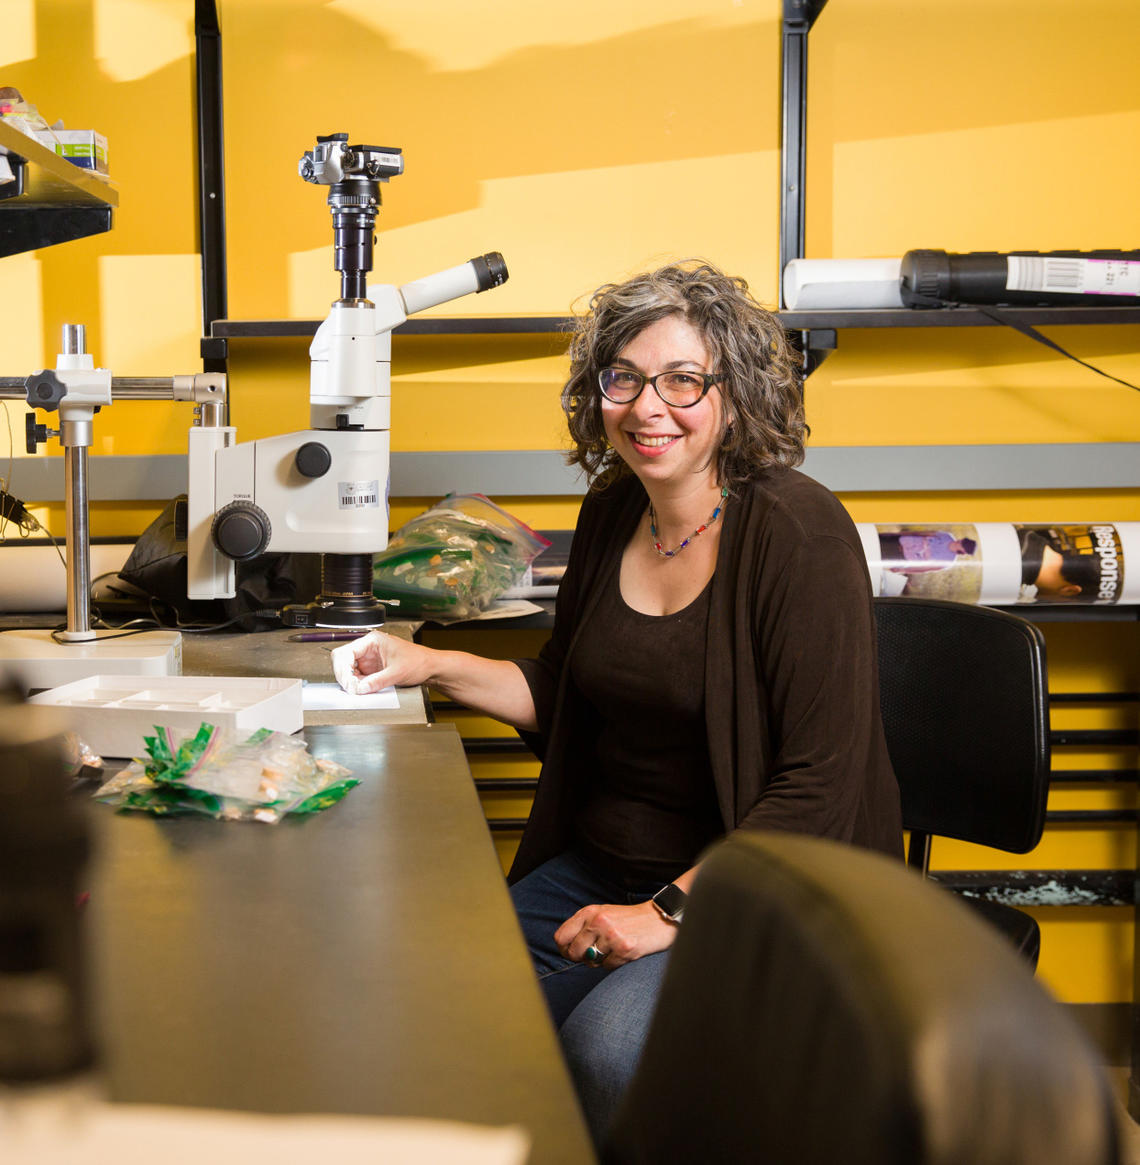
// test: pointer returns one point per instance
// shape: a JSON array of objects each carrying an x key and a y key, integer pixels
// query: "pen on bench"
[{"x": 326, "y": 636}]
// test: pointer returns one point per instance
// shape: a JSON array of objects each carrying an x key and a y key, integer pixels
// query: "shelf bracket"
[{"x": 814, "y": 347}]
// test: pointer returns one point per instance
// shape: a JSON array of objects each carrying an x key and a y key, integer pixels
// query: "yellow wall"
[
  {"x": 587, "y": 142},
  {"x": 582, "y": 149}
]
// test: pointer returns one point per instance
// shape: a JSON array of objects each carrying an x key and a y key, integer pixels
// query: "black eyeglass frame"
[{"x": 708, "y": 379}]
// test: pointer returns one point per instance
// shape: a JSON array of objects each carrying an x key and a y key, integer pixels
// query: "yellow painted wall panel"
[
  {"x": 550, "y": 270},
  {"x": 1085, "y": 505},
  {"x": 975, "y": 386},
  {"x": 1083, "y": 717},
  {"x": 1085, "y": 798},
  {"x": 115, "y": 519},
  {"x": 505, "y": 846},
  {"x": 506, "y": 136},
  {"x": 999, "y": 86},
  {"x": 1093, "y": 657},
  {"x": 540, "y": 513},
  {"x": 1086, "y": 952},
  {"x": 1023, "y": 184},
  {"x": 490, "y": 392},
  {"x": 498, "y": 803},
  {"x": 1109, "y": 846}
]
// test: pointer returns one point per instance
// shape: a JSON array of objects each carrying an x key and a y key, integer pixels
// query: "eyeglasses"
[{"x": 681, "y": 390}]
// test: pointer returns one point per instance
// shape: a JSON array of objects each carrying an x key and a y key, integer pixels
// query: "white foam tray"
[{"x": 113, "y": 713}]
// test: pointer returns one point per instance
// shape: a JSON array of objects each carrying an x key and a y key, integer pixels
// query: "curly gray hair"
[{"x": 760, "y": 382}]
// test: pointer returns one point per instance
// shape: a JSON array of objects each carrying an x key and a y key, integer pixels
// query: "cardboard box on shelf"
[{"x": 81, "y": 147}]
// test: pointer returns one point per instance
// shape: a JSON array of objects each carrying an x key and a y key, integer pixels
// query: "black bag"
[{"x": 157, "y": 566}]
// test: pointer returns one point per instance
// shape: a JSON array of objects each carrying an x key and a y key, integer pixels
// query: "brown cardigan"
[{"x": 791, "y": 680}]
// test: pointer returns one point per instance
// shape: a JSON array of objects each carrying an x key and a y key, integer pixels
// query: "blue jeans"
[{"x": 602, "y": 1016}]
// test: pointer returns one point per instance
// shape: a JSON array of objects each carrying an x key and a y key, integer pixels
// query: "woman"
[{"x": 712, "y": 665}]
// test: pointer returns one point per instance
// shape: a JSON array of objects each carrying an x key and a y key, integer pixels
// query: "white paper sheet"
[{"x": 328, "y": 697}]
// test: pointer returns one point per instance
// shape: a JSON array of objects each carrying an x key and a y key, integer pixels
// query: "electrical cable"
[
  {"x": 1034, "y": 334},
  {"x": 201, "y": 628},
  {"x": 12, "y": 509}
]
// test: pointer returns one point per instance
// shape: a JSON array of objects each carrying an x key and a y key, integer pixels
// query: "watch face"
[{"x": 671, "y": 900}]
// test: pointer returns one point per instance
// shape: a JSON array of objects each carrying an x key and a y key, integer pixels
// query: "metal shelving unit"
[{"x": 818, "y": 328}]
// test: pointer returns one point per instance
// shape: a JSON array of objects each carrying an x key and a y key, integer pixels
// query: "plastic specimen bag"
[
  {"x": 262, "y": 778},
  {"x": 452, "y": 561}
]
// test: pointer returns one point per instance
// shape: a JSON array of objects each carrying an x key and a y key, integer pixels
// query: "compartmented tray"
[{"x": 113, "y": 713}]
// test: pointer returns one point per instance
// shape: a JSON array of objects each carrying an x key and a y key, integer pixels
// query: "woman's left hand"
[{"x": 620, "y": 933}]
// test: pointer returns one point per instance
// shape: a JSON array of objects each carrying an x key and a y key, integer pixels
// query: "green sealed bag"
[
  {"x": 452, "y": 561},
  {"x": 264, "y": 778}
]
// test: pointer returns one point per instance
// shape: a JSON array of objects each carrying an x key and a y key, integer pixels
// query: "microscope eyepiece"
[{"x": 490, "y": 271}]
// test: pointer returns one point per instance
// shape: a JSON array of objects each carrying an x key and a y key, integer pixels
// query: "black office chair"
[
  {"x": 824, "y": 1004},
  {"x": 966, "y": 714}
]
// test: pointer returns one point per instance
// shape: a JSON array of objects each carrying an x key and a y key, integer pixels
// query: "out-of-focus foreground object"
[
  {"x": 43, "y": 851},
  {"x": 825, "y": 1004}
]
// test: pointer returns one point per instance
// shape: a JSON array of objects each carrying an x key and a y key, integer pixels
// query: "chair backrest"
[
  {"x": 825, "y": 1004},
  {"x": 965, "y": 710}
]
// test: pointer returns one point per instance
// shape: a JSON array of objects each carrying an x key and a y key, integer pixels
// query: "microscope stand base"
[{"x": 34, "y": 661}]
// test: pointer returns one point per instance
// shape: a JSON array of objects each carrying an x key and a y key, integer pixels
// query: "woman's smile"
[{"x": 653, "y": 444}]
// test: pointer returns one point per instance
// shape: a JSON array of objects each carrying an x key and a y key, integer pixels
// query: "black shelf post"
[
  {"x": 211, "y": 180},
  {"x": 799, "y": 16}
]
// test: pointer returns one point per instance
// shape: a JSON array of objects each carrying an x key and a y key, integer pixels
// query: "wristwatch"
[{"x": 671, "y": 902}]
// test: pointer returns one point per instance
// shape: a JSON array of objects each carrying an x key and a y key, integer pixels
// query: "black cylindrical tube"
[
  {"x": 932, "y": 278},
  {"x": 352, "y": 251},
  {"x": 346, "y": 598},
  {"x": 347, "y": 576}
]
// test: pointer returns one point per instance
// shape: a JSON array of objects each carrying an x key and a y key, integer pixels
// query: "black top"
[
  {"x": 791, "y": 686},
  {"x": 650, "y": 806}
]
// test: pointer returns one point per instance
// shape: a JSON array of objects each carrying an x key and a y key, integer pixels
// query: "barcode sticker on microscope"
[
  {"x": 1075, "y": 276},
  {"x": 359, "y": 495}
]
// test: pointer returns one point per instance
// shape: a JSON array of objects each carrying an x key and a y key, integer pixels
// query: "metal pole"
[
  {"x": 74, "y": 339},
  {"x": 78, "y": 545},
  {"x": 76, "y": 436},
  {"x": 122, "y": 388}
]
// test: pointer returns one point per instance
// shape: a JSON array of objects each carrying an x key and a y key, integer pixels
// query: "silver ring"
[{"x": 593, "y": 956}]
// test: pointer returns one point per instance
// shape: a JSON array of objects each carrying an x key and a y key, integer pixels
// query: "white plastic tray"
[{"x": 113, "y": 713}]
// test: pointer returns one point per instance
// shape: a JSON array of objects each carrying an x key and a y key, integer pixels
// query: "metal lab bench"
[{"x": 365, "y": 960}]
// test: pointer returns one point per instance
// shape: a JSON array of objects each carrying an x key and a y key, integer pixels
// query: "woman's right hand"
[
  {"x": 495, "y": 687},
  {"x": 377, "y": 660}
]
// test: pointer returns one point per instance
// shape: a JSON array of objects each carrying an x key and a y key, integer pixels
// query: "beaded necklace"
[{"x": 699, "y": 530}]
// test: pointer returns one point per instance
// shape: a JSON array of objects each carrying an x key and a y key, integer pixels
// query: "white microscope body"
[{"x": 324, "y": 489}]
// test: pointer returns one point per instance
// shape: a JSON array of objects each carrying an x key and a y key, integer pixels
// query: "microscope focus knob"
[
  {"x": 241, "y": 530},
  {"x": 313, "y": 459}
]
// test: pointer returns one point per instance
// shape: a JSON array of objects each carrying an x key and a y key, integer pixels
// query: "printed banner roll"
[{"x": 1006, "y": 563}]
